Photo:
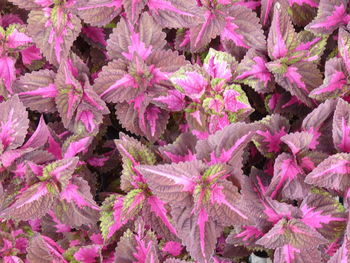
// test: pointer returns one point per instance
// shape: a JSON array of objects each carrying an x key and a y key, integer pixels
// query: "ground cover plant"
[{"x": 174, "y": 131}]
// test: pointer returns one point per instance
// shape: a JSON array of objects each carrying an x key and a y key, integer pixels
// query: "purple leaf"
[
  {"x": 133, "y": 203},
  {"x": 325, "y": 214},
  {"x": 287, "y": 179},
  {"x": 114, "y": 84},
  {"x": 97, "y": 12},
  {"x": 331, "y": 14},
  {"x": 142, "y": 118},
  {"x": 75, "y": 193},
  {"x": 111, "y": 212},
  {"x": 289, "y": 254},
  {"x": 54, "y": 31},
  {"x": 182, "y": 150},
  {"x": 174, "y": 13},
  {"x": 312, "y": 3},
  {"x": 127, "y": 39},
  {"x": 39, "y": 137},
  {"x": 9, "y": 19},
  {"x": 225, "y": 206},
  {"x": 44, "y": 249},
  {"x": 343, "y": 46},
  {"x": 335, "y": 82},
  {"x": 79, "y": 106},
  {"x": 37, "y": 90},
  {"x": 299, "y": 79},
  {"x": 137, "y": 247},
  {"x": 310, "y": 47},
  {"x": 252, "y": 71},
  {"x": 201, "y": 35},
  {"x": 12, "y": 259},
  {"x": 133, "y": 153},
  {"x": 133, "y": 9},
  {"x": 158, "y": 208},
  {"x": 267, "y": 138},
  {"x": 299, "y": 142},
  {"x": 263, "y": 210},
  {"x": 226, "y": 146},
  {"x": 266, "y": 6},
  {"x": 319, "y": 123},
  {"x": 159, "y": 220},
  {"x": 303, "y": 11},
  {"x": 31, "y": 4},
  {"x": 332, "y": 173},
  {"x": 291, "y": 232},
  {"x": 172, "y": 183},
  {"x": 34, "y": 202},
  {"x": 243, "y": 28},
  {"x": 246, "y": 236},
  {"x": 200, "y": 243},
  {"x": 76, "y": 205},
  {"x": 282, "y": 37},
  {"x": 60, "y": 171},
  {"x": 174, "y": 100},
  {"x": 236, "y": 103},
  {"x": 14, "y": 123},
  {"x": 341, "y": 126},
  {"x": 77, "y": 146}
]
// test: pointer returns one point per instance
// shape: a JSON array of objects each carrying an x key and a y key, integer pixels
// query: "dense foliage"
[{"x": 144, "y": 131}]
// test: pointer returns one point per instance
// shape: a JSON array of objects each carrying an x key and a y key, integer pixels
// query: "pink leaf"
[
  {"x": 7, "y": 72},
  {"x": 30, "y": 54},
  {"x": 17, "y": 39},
  {"x": 88, "y": 254},
  {"x": 331, "y": 15},
  {"x": 173, "y": 248}
]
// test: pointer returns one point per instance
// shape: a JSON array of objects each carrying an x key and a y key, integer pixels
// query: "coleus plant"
[
  {"x": 174, "y": 131},
  {"x": 207, "y": 96},
  {"x": 232, "y": 22},
  {"x": 137, "y": 74}
]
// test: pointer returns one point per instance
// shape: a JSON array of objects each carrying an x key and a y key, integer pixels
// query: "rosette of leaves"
[
  {"x": 14, "y": 41},
  {"x": 207, "y": 94},
  {"x": 233, "y": 23},
  {"x": 202, "y": 202},
  {"x": 69, "y": 92},
  {"x": 54, "y": 187},
  {"x": 118, "y": 210},
  {"x": 294, "y": 57},
  {"x": 137, "y": 74},
  {"x": 283, "y": 228}
]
